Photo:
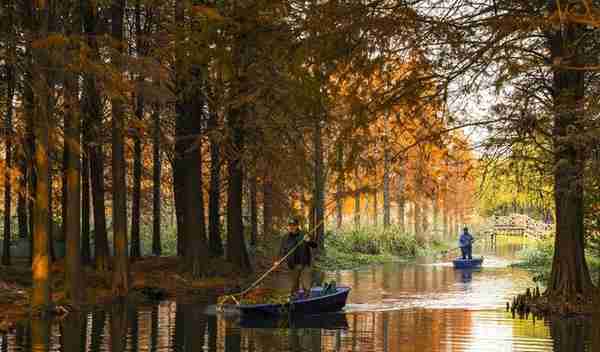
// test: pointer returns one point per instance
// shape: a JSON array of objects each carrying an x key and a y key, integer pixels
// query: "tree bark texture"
[
  {"x": 92, "y": 114},
  {"x": 236, "y": 247},
  {"x": 40, "y": 296},
  {"x": 214, "y": 201},
  {"x": 267, "y": 206},
  {"x": 570, "y": 278},
  {"x": 319, "y": 190},
  {"x": 156, "y": 184},
  {"x": 253, "y": 210},
  {"x": 72, "y": 203},
  {"x": 86, "y": 255},
  {"x": 135, "y": 247},
  {"x": 189, "y": 109},
  {"x": 8, "y": 128},
  {"x": 121, "y": 275}
]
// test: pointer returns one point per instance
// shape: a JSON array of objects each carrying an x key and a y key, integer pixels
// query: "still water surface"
[{"x": 395, "y": 307}]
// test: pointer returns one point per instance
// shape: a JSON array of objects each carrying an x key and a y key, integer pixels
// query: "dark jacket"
[
  {"x": 465, "y": 239},
  {"x": 302, "y": 255}
]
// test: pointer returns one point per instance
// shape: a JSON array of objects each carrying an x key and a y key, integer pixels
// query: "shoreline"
[{"x": 163, "y": 275}]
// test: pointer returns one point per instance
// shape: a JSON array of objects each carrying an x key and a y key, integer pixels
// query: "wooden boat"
[
  {"x": 467, "y": 263},
  {"x": 315, "y": 304}
]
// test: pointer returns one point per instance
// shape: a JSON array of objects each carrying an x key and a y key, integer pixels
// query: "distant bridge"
[{"x": 518, "y": 225}]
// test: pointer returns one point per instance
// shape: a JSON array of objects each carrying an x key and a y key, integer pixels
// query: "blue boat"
[
  {"x": 467, "y": 263},
  {"x": 315, "y": 304}
]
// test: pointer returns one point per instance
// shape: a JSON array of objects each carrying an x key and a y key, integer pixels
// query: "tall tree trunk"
[
  {"x": 417, "y": 219},
  {"x": 179, "y": 198},
  {"x": 253, "y": 210},
  {"x": 319, "y": 190},
  {"x": 22, "y": 195},
  {"x": 135, "y": 249},
  {"x": 189, "y": 107},
  {"x": 570, "y": 278},
  {"x": 40, "y": 296},
  {"x": 356, "y": 209},
  {"x": 86, "y": 255},
  {"x": 425, "y": 217},
  {"x": 10, "y": 92},
  {"x": 214, "y": 201},
  {"x": 50, "y": 224},
  {"x": 92, "y": 113},
  {"x": 236, "y": 247},
  {"x": 340, "y": 184},
  {"x": 156, "y": 178},
  {"x": 436, "y": 215},
  {"x": 29, "y": 108},
  {"x": 121, "y": 279},
  {"x": 375, "y": 208},
  {"x": 267, "y": 206},
  {"x": 197, "y": 250},
  {"x": 386, "y": 174},
  {"x": 72, "y": 203}
]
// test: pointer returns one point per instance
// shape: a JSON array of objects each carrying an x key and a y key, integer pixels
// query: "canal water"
[{"x": 395, "y": 307}]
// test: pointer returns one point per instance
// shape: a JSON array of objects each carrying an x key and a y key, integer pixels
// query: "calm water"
[{"x": 394, "y": 307}]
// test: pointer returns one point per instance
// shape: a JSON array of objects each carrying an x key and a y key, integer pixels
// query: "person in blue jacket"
[{"x": 465, "y": 243}]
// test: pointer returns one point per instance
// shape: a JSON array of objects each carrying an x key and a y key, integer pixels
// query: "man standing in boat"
[
  {"x": 465, "y": 243},
  {"x": 299, "y": 260}
]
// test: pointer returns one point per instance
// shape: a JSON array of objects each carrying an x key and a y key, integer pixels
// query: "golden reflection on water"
[{"x": 392, "y": 308}]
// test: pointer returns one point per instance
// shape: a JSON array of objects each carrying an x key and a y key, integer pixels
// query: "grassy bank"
[
  {"x": 350, "y": 248},
  {"x": 537, "y": 258}
]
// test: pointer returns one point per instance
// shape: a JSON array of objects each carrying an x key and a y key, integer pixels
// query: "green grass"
[
  {"x": 353, "y": 248},
  {"x": 537, "y": 258}
]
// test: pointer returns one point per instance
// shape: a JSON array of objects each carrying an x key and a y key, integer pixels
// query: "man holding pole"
[{"x": 299, "y": 260}]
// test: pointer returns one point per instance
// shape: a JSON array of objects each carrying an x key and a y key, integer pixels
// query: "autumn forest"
[{"x": 193, "y": 130}]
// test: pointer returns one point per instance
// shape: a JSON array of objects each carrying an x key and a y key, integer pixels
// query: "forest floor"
[{"x": 162, "y": 275}]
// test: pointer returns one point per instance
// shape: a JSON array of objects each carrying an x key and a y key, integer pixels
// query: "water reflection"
[{"x": 392, "y": 308}]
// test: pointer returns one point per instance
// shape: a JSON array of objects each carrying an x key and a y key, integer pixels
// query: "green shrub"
[{"x": 350, "y": 248}]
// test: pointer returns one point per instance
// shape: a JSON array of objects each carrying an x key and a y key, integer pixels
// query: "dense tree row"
[{"x": 291, "y": 103}]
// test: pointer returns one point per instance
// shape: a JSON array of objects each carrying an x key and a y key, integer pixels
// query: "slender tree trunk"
[
  {"x": 319, "y": 195},
  {"x": 72, "y": 203},
  {"x": 156, "y": 179},
  {"x": 356, "y": 209},
  {"x": 375, "y": 207},
  {"x": 214, "y": 201},
  {"x": 570, "y": 279},
  {"x": 436, "y": 215},
  {"x": 253, "y": 210},
  {"x": 29, "y": 108},
  {"x": 85, "y": 207},
  {"x": 179, "y": 198},
  {"x": 340, "y": 184},
  {"x": 135, "y": 250},
  {"x": 181, "y": 138},
  {"x": 22, "y": 195},
  {"x": 267, "y": 206},
  {"x": 10, "y": 92},
  {"x": 425, "y": 217},
  {"x": 121, "y": 275},
  {"x": 386, "y": 180},
  {"x": 40, "y": 296},
  {"x": 236, "y": 247},
  {"x": 92, "y": 113}
]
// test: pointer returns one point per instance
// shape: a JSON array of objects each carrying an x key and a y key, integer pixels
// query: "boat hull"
[
  {"x": 313, "y": 305},
  {"x": 467, "y": 263}
]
